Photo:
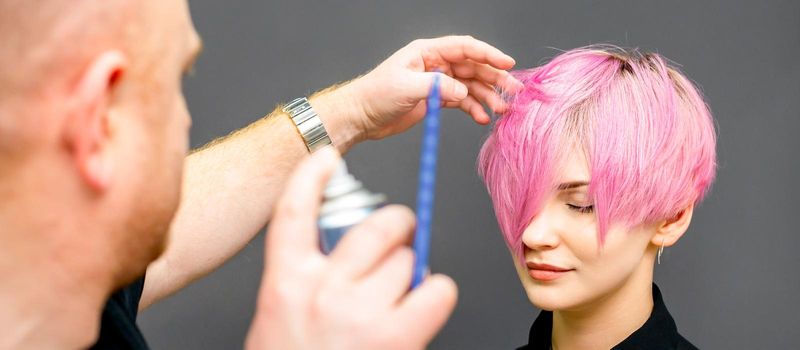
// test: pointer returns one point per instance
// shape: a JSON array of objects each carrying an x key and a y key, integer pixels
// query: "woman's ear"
[
  {"x": 87, "y": 133},
  {"x": 669, "y": 231}
]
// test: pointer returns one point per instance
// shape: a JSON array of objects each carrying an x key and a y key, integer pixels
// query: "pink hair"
[{"x": 647, "y": 134}]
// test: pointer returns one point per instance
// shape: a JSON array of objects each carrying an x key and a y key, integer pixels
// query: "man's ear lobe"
[
  {"x": 86, "y": 131},
  {"x": 669, "y": 231}
]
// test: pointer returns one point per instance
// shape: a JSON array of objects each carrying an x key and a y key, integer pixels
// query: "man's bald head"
[
  {"x": 93, "y": 126},
  {"x": 46, "y": 45},
  {"x": 46, "y": 39}
]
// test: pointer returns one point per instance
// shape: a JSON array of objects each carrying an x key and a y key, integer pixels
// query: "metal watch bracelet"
[{"x": 308, "y": 124}]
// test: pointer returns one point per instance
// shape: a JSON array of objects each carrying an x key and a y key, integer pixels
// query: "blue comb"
[{"x": 427, "y": 184}]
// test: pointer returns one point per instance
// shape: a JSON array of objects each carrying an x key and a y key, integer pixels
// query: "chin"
[
  {"x": 145, "y": 235},
  {"x": 547, "y": 300},
  {"x": 158, "y": 245},
  {"x": 140, "y": 251},
  {"x": 551, "y": 297},
  {"x": 547, "y": 296}
]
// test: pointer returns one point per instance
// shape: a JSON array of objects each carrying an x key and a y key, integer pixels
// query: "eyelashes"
[{"x": 583, "y": 210}]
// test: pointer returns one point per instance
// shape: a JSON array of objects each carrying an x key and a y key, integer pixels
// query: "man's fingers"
[
  {"x": 361, "y": 249},
  {"x": 390, "y": 280},
  {"x": 486, "y": 74},
  {"x": 473, "y": 107},
  {"x": 486, "y": 94},
  {"x": 460, "y": 48},
  {"x": 293, "y": 229},
  {"x": 426, "y": 308},
  {"x": 450, "y": 89}
]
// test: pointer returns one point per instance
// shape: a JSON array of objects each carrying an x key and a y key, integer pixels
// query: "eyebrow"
[
  {"x": 190, "y": 63},
  {"x": 571, "y": 185}
]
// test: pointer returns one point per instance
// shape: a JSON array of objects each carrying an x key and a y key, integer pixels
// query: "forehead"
[
  {"x": 185, "y": 22},
  {"x": 175, "y": 19},
  {"x": 575, "y": 167},
  {"x": 167, "y": 30}
]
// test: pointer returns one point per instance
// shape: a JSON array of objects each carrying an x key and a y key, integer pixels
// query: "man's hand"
[
  {"x": 355, "y": 298},
  {"x": 391, "y": 98},
  {"x": 392, "y": 95}
]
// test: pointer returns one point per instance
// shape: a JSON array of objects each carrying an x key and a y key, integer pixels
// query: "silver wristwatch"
[{"x": 308, "y": 124}]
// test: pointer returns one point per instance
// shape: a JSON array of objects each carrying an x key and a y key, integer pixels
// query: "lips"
[{"x": 546, "y": 272}]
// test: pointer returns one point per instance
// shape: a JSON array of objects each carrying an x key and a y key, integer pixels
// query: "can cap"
[{"x": 344, "y": 192}]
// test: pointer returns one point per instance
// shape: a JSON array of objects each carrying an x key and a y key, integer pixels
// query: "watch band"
[{"x": 308, "y": 124}]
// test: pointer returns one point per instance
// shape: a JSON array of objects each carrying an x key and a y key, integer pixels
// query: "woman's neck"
[{"x": 608, "y": 321}]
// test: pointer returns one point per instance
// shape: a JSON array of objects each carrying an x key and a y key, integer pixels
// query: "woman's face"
[{"x": 565, "y": 266}]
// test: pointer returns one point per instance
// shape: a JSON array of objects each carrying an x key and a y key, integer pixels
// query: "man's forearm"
[{"x": 230, "y": 187}]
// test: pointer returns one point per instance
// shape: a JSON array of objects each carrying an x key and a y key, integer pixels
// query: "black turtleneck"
[{"x": 658, "y": 333}]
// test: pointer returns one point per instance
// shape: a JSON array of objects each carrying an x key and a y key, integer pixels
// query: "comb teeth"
[{"x": 427, "y": 184}]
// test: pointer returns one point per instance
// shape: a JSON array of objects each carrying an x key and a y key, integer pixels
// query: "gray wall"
[{"x": 731, "y": 283}]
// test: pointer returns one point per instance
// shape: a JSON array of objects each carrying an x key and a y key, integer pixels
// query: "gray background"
[{"x": 731, "y": 283}]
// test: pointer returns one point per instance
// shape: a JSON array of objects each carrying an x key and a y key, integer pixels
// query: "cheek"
[
  {"x": 170, "y": 143},
  {"x": 184, "y": 120},
  {"x": 175, "y": 125},
  {"x": 614, "y": 262},
  {"x": 581, "y": 239}
]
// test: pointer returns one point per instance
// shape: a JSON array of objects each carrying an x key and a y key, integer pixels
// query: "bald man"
[{"x": 99, "y": 220}]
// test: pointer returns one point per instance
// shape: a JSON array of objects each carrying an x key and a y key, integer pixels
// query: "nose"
[{"x": 541, "y": 233}]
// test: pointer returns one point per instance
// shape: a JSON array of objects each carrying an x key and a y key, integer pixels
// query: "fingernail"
[
  {"x": 461, "y": 91},
  {"x": 513, "y": 61}
]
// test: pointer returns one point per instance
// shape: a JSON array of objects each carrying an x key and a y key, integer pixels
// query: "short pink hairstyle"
[{"x": 644, "y": 128}]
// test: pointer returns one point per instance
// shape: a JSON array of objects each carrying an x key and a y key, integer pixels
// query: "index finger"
[
  {"x": 424, "y": 310},
  {"x": 293, "y": 230},
  {"x": 456, "y": 49}
]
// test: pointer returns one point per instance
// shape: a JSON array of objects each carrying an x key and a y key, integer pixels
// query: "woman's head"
[{"x": 598, "y": 160}]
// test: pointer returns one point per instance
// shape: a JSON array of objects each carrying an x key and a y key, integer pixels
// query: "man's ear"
[
  {"x": 669, "y": 231},
  {"x": 87, "y": 133}
]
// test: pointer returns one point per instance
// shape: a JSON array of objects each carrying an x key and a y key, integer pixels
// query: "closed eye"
[{"x": 583, "y": 210}]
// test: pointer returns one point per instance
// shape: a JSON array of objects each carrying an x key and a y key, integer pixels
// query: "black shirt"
[
  {"x": 118, "y": 328},
  {"x": 658, "y": 332}
]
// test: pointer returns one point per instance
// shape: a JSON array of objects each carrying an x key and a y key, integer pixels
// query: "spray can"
[{"x": 346, "y": 203}]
